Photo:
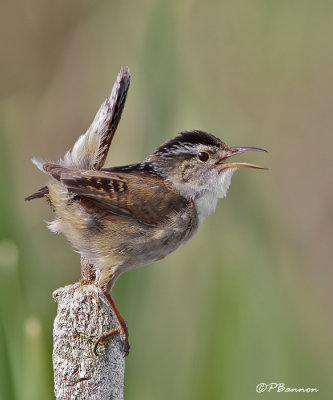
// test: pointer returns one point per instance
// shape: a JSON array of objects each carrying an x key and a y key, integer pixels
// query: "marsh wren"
[{"x": 121, "y": 218}]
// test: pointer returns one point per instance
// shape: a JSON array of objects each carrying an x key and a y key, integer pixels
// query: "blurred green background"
[{"x": 249, "y": 299}]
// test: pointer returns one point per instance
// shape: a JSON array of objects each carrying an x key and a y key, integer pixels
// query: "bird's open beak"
[{"x": 238, "y": 150}]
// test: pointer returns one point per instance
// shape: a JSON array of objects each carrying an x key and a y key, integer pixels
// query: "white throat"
[{"x": 206, "y": 202}]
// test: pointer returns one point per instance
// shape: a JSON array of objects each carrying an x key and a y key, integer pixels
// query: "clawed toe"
[
  {"x": 109, "y": 334},
  {"x": 121, "y": 330}
]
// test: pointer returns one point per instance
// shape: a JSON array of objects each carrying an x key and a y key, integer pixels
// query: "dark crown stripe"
[{"x": 192, "y": 138}]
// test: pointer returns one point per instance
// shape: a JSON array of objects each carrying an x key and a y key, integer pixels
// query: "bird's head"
[{"x": 197, "y": 162}]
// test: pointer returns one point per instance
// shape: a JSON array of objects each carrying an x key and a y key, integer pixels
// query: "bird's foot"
[
  {"x": 121, "y": 330},
  {"x": 109, "y": 334}
]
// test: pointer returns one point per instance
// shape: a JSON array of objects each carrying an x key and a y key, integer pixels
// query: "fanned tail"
[{"x": 91, "y": 149}]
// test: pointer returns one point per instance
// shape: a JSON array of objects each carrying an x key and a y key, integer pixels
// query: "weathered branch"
[{"x": 83, "y": 315}]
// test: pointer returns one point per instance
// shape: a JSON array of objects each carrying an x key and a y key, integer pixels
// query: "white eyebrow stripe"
[{"x": 182, "y": 148}]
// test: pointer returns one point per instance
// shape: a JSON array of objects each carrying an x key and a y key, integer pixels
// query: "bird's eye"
[{"x": 203, "y": 156}]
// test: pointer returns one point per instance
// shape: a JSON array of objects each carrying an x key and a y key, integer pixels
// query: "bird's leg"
[
  {"x": 88, "y": 272},
  {"x": 121, "y": 329}
]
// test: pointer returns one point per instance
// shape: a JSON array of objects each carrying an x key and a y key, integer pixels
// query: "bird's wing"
[
  {"x": 39, "y": 194},
  {"x": 142, "y": 197}
]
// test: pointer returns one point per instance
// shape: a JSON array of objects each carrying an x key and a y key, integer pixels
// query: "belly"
[
  {"x": 124, "y": 242},
  {"x": 142, "y": 244}
]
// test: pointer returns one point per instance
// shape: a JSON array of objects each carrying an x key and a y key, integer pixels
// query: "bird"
[{"x": 123, "y": 217}]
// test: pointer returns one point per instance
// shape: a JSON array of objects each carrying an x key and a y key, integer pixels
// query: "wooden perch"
[{"x": 83, "y": 315}]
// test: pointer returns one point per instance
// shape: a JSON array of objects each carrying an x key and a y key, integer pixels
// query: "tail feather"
[{"x": 91, "y": 149}]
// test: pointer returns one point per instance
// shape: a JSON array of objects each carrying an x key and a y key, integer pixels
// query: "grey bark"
[{"x": 83, "y": 315}]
